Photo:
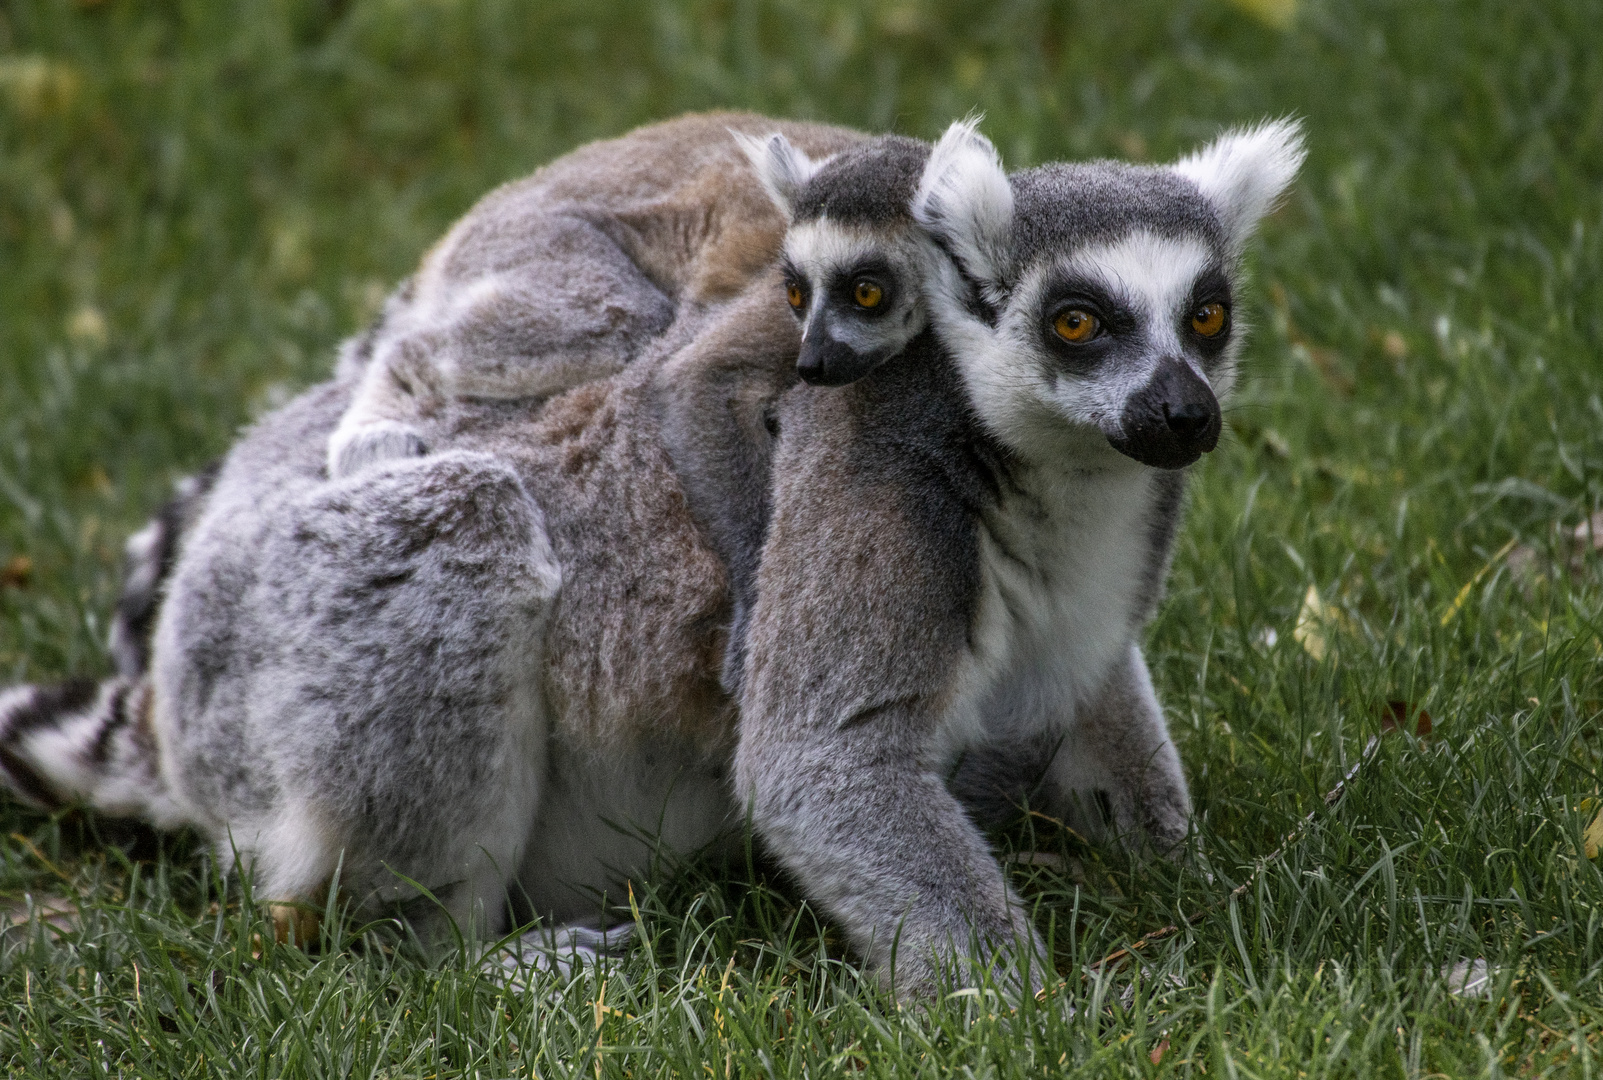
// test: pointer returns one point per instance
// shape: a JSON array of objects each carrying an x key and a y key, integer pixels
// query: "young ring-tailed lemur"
[
  {"x": 966, "y": 543},
  {"x": 441, "y": 667}
]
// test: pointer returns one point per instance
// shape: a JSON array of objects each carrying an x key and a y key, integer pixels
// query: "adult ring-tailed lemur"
[{"x": 479, "y": 647}]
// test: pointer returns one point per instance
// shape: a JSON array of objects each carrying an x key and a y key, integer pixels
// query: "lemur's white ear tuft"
[
  {"x": 1244, "y": 172},
  {"x": 781, "y": 167},
  {"x": 965, "y": 202}
]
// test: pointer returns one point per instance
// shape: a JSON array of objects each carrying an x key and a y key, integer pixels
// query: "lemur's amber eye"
[
  {"x": 793, "y": 294},
  {"x": 1075, "y": 326},
  {"x": 867, "y": 294},
  {"x": 1208, "y": 320}
]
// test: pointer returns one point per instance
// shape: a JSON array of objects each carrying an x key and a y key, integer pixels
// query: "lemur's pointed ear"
[
  {"x": 781, "y": 167},
  {"x": 1244, "y": 172},
  {"x": 964, "y": 201}
]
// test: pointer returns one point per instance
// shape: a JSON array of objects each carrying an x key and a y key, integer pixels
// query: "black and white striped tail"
[
  {"x": 86, "y": 743},
  {"x": 92, "y": 743},
  {"x": 148, "y": 559}
]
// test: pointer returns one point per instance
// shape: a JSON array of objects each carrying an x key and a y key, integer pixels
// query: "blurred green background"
[{"x": 199, "y": 199}]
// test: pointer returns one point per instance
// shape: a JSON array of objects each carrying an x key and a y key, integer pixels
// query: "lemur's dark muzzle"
[
  {"x": 825, "y": 361},
  {"x": 1172, "y": 420}
]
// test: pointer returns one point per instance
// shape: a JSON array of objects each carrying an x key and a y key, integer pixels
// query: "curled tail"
[{"x": 84, "y": 742}]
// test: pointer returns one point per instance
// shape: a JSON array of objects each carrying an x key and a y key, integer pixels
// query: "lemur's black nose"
[
  {"x": 1170, "y": 421},
  {"x": 824, "y": 361},
  {"x": 1189, "y": 420}
]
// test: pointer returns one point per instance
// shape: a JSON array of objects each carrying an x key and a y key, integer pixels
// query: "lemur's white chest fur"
[{"x": 1064, "y": 560}]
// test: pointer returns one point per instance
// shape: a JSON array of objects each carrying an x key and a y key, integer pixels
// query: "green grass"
[{"x": 198, "y": 199}]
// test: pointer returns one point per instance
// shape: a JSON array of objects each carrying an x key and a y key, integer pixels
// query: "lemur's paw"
[
  {"x": 563, "y": 950},
  {"x": 351, "y": 451},
  {"x": 1011, "y": 959},
  {"x": 1166, "y": 819}
]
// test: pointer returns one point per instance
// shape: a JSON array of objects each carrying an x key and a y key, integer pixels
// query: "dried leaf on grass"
[
  {"x": 38, "y": 87},
  {"x": 295, "y": 924},
  {"x": 17, "y": 572},
  {"x": 1277, "y": 14},
  {"x": 1395, "y": 715},
  {"x": 1592, "y": 835},
  {"x": 54, "y": 912},
  {"x": 1469, "y": 586},
  {"x": 1469, "y": 978},
  {"x": 1317, "y": 625},
  {"x": 1310, "y": 629}
]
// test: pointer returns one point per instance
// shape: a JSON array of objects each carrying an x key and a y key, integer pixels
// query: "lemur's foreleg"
[
  {"x": 887, "y": 850},
  {"x": 1119, "y": 747}
]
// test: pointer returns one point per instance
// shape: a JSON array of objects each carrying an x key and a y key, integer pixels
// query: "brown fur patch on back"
[
  {"x": 637, "y": 634},
  {"x": 679, "y": 197}
]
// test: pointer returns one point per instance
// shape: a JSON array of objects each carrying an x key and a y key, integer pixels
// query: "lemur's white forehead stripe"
[
  {"x": 1152, "y": 274},
  {"x": 822, "y": 245}
]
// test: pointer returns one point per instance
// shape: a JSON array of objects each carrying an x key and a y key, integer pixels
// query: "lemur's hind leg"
[
  {"x": 498, "y": 316},
  {"x": 368, "y": 701},
  {"x": 434, "y": 761},
  {"x": 1117, "y": 769}
]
